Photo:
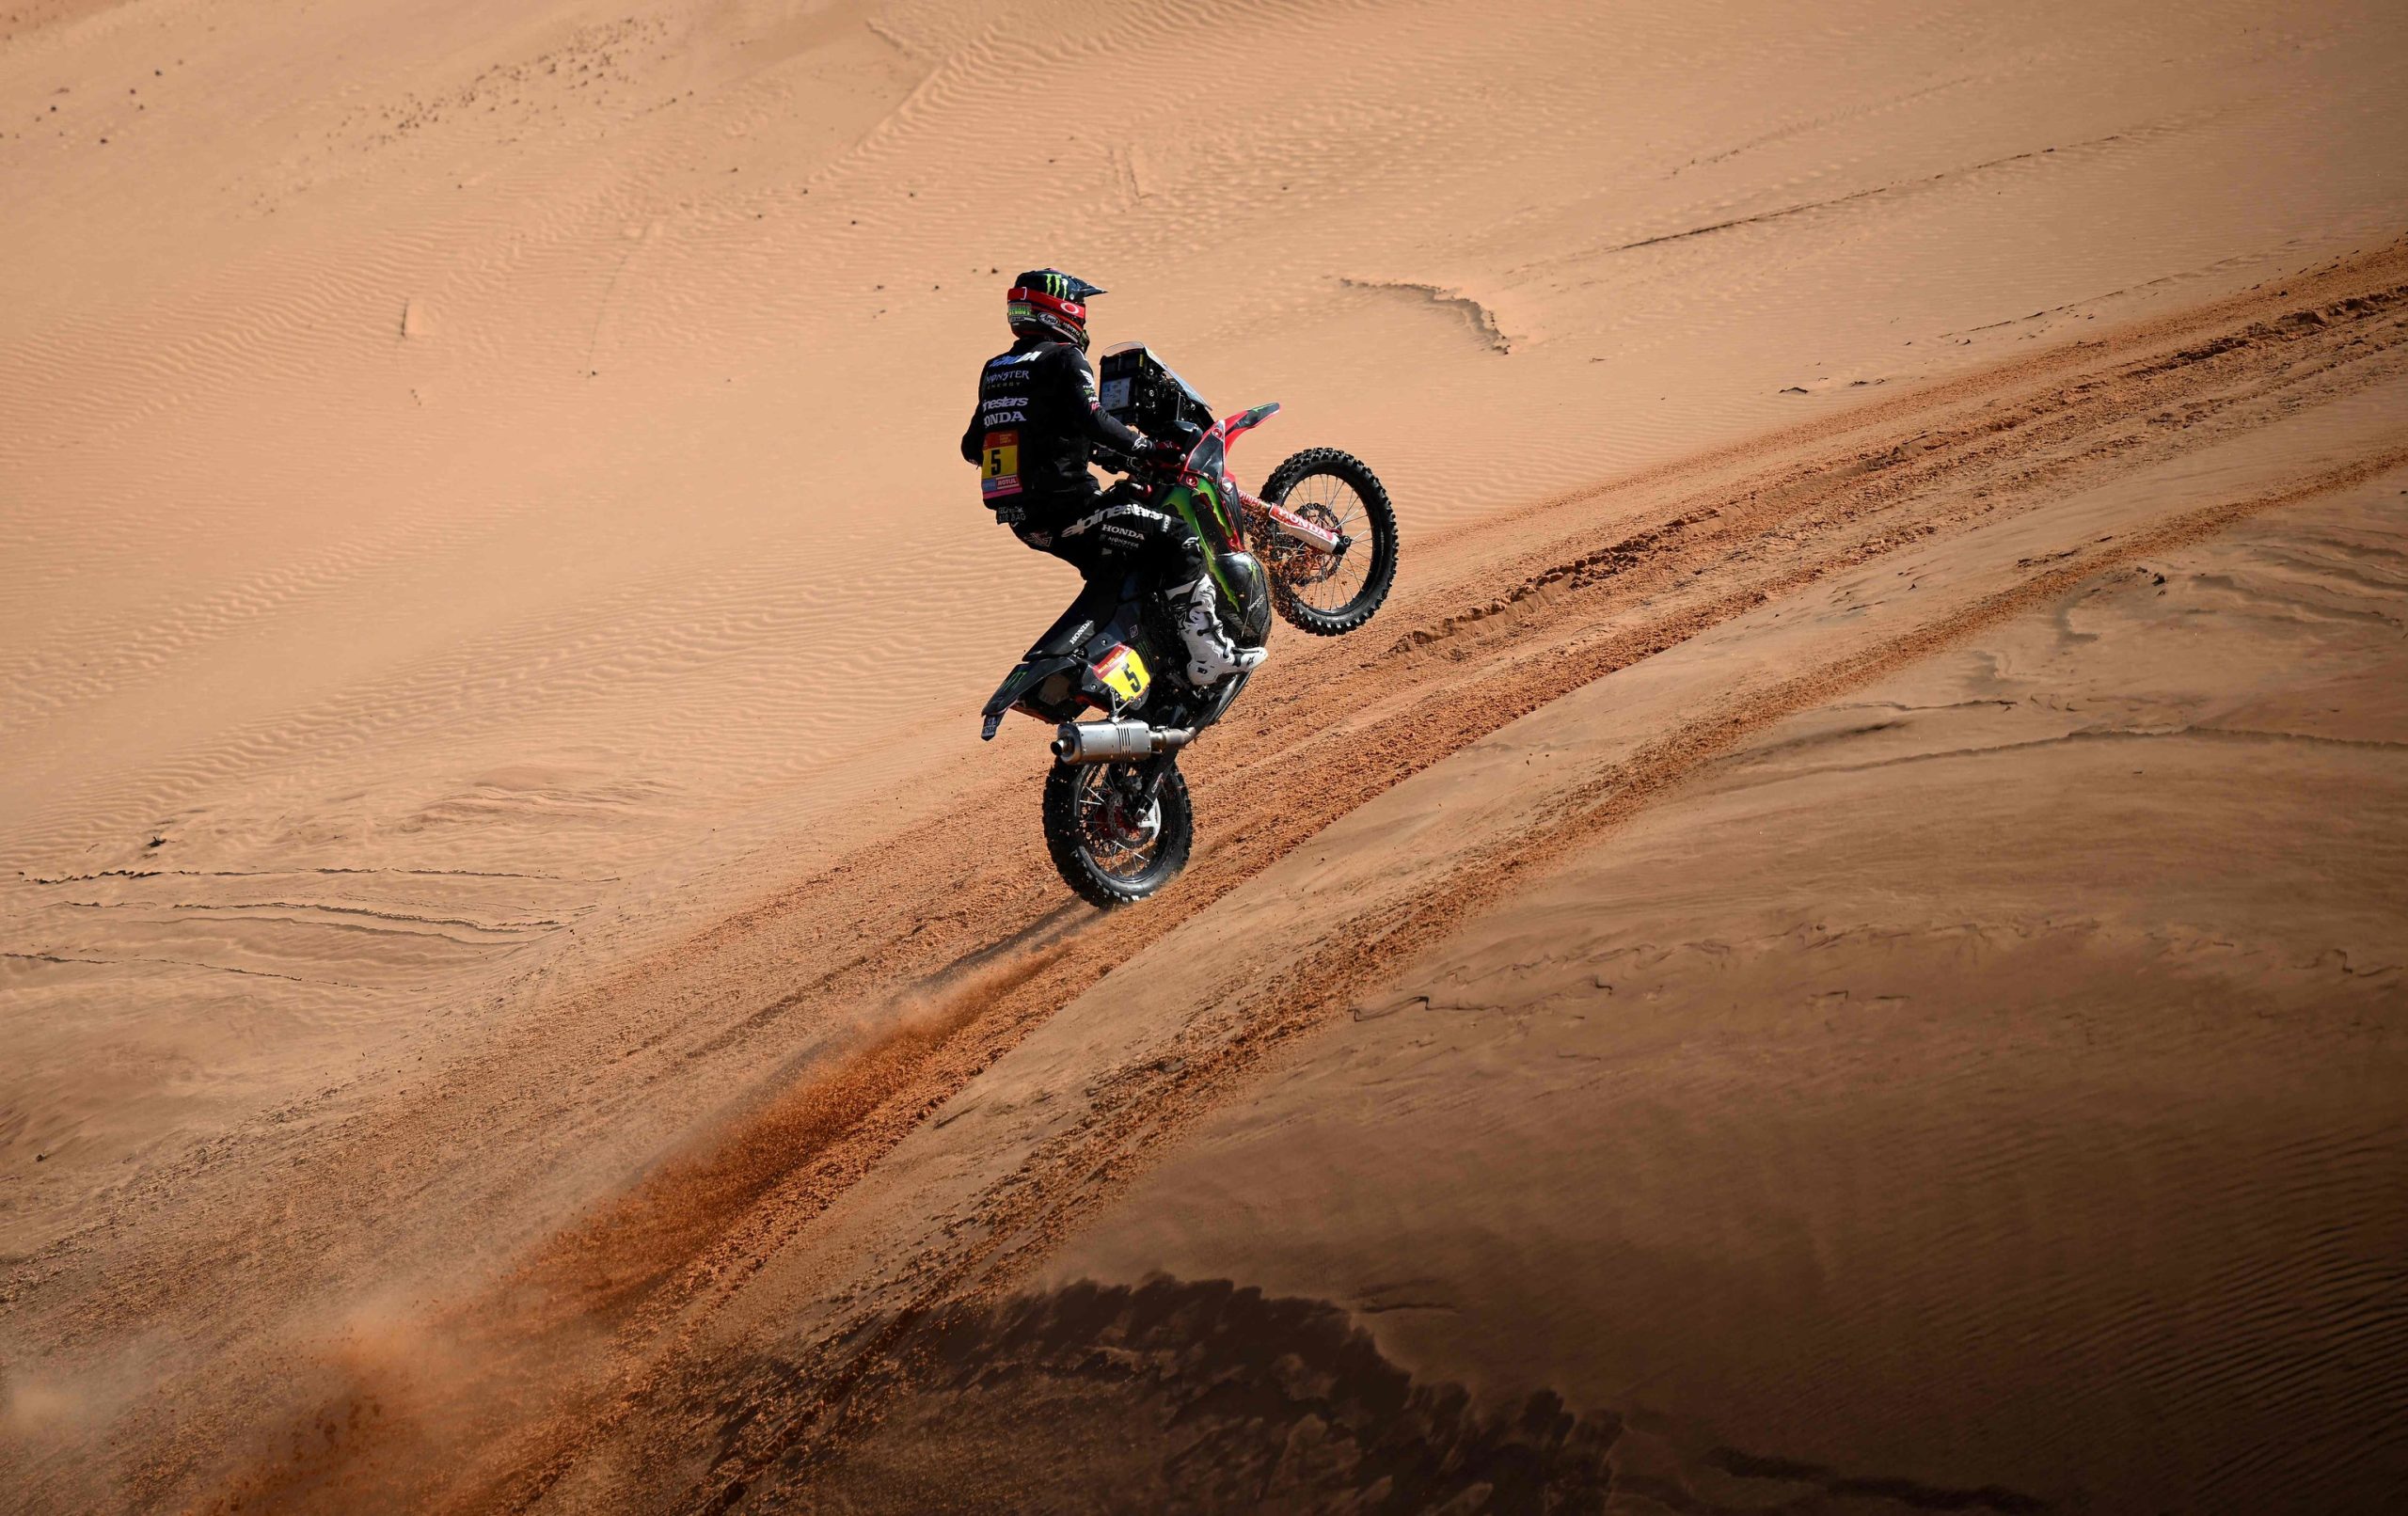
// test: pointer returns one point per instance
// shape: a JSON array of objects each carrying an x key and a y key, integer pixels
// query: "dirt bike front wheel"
[
  {"x": 1329, "y": 594},
  {"x": 1112, "y": 845}
]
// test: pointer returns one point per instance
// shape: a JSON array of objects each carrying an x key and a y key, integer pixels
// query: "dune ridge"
[
  {"x": 2212, "y": 367},
  {"x": 489, "y": 606}
]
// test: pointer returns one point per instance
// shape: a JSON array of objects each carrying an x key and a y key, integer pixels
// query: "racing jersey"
[{"x": 1036, "y": 424}]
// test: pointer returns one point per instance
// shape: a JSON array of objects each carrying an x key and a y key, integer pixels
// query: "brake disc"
[
  {"x": 1305, "y": 566},
  {"x": 1131, "y": 831}
]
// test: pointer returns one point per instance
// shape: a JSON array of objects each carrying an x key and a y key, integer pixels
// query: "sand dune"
[
  {"x": 1247, "y": 1188},
  {"x": 2087, "y": 1191},
  {"x": 489, "y": 607}
]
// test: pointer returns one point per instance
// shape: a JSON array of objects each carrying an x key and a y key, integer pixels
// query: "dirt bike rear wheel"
[
  {"x": 1108, "y": 854},
  {"x": 1312, "y": 591}
]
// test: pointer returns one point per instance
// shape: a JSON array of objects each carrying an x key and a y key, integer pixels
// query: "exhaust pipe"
[{"x": 1105, "y": 742}]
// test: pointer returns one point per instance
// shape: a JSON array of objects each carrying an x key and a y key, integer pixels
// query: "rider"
[{"x": 1037, "y": 422}]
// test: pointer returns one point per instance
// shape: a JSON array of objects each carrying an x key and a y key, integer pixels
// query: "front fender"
[{"x": 1245, "y": 421}]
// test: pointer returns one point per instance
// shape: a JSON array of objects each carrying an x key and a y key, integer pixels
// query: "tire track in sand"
[
  {"x": 2046, "y": 444},
  {"x": 785, "y": 1421},
  {"x": 1734, "y": 530}
]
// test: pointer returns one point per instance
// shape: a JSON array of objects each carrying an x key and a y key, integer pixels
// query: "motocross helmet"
[{"x": 1047, "y": 304}]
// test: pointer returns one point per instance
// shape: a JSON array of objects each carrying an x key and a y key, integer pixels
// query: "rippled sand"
[{"x": 521, "y": 986}]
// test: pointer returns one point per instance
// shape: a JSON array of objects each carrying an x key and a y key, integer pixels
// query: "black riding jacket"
[{"x": 1038, "y": 422}]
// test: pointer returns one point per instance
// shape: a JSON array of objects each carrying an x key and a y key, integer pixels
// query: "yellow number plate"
[{"x": 1124, "y": 672}]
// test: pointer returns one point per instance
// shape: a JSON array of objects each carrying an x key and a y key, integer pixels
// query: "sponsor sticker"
[{"x": 999, "y": 473}]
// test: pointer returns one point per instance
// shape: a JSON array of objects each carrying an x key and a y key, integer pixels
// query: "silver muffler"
[{"x": 1105, "y": 742}]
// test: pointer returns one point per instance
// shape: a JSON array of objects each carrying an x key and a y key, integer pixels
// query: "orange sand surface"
[{"x": 1836, "y": 946}]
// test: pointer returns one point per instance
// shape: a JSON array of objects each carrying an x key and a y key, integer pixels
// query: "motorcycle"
[{"x": 1318, "y": 547}]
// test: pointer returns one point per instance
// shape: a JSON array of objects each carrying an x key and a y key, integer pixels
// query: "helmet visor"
[{"x": 1023, "y": 302}]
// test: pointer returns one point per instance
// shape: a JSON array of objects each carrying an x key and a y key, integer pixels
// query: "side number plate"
[{"x": 1124, "y": 672}]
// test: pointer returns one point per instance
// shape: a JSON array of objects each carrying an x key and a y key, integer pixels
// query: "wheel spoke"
[
  {"x": 1314, "y": 579},
  {"x": 1114, "y": 854}
]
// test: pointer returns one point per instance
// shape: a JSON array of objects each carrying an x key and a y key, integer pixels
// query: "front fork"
[
  {"x": 1290, "y": 525},
  {"x": 1149, "y": 777}
]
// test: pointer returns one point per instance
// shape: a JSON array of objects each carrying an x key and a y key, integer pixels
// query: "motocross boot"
[{"x": 1211, "y": 657}]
